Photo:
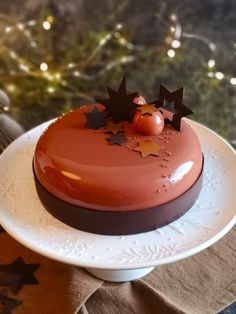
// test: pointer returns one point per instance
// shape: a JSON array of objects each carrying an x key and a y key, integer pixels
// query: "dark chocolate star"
[
  {"x": 169, "y": 106},
  {"x": 177, "y": 98},
  {"x": 117, "y": 139},
  {"x": 1, "y": 229},
  {"x": 18, "y": 274},
  {"x": 120, "y": 105},
  {"x": 8, "y": 304},
  {"x": 95, "y": 119}
]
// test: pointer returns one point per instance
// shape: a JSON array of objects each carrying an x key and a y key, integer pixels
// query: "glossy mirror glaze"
[{"x": 79, "y": 166}]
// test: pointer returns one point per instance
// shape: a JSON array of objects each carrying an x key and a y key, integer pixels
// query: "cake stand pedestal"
[
  {"x": 118, "y": 258},
  {"x": 119, "y": 275}
]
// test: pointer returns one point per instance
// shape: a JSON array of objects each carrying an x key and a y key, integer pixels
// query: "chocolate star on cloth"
[
  {"x": 7, "y": 304},
  {"x": 204, "y": 283},
  {"x": 18, "y": 274}
]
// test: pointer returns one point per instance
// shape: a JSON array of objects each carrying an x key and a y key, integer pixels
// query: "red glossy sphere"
[{"x": 148, "y": 124}]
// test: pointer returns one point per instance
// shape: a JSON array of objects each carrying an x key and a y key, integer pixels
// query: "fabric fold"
[{"x": 203, "y": 283}]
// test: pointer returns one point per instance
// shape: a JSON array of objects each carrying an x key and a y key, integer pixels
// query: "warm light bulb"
[
  {"x": 168, "y": 40},
  {"x": 8, "y": 29},
  {"x": 104, "y": 40},
  {"x": 173, "y": 17},
  {"x": 33, "y": 44},
  {"x": 11, "y": 87},
  {"x": 76, "y": 73},
  {"x": 70, "y": 65},
  {"x": 171, "y": 53},
  {"x": 51, "y": 89},
  {"x": 212, "y": 46},
  {"x": 219, "y": 75},
  {"x": 46, "y": 25},
  {"x": 175, "y": 43},
  {"x": 20, "y": 26},
  {"x": 43, "y": 66},
  {"x": 211, "y": 63},
  {"x": 233, "y": 80},
  {"x": 31, "y": 23},
  {"x": 24, "y": 67},
  {"x": 50, "y": 19},
  {"x": 119, "y": 26},
  {"x": 48, "y": 76},
  {"x": 13, "y": 54},
  {"x": 122, "y": 41},
  {"x": 57, "y": 76}
]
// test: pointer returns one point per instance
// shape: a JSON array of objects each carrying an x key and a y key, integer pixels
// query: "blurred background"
[{"x": 56, "y": 55}]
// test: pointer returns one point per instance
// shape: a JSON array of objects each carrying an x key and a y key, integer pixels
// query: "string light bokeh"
[
  {"x": 173, "y": 39},
  {"x": 54, "y": 82}
]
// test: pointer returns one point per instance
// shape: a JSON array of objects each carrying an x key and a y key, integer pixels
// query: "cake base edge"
[{"x": 119, "y": 222}]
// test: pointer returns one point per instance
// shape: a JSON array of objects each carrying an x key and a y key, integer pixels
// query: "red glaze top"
[{"x": 79, "y": 166}]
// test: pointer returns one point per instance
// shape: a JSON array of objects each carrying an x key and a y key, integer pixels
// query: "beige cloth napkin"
[{"x": 204, "y": 283}]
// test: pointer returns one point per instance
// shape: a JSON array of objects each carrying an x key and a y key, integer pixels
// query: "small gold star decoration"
[
  {"x": 114, "y": 127},
  {"x": 147, "y": 148},
  {"x": 147, "y": 109}
]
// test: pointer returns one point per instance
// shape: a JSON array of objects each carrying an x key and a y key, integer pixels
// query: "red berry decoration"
[{"x": 148, "y": 124}]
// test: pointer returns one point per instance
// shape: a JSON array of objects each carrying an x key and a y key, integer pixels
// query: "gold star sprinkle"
[
  {"x": 149, "y": 109},
  {"x": 114, "y": 127},
  {"x": 147, "y": 148}
]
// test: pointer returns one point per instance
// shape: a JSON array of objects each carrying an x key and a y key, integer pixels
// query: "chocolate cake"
[{"x": 120, "y": 165}]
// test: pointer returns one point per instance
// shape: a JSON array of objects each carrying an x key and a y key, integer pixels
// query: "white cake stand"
[{"x": 118, "y": 258}]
